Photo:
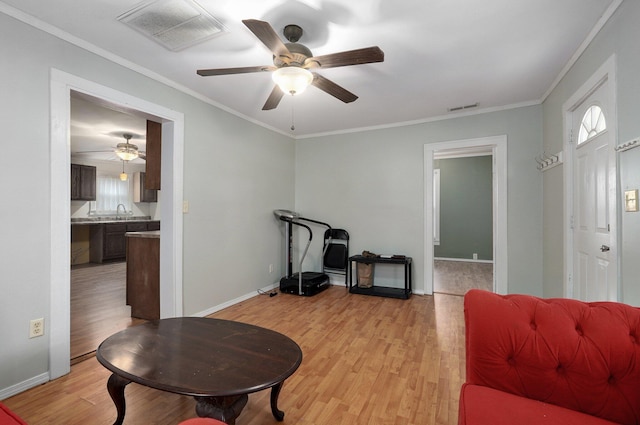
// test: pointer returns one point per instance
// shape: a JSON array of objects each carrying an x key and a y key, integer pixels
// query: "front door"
[{"x": 594, "y": 198}]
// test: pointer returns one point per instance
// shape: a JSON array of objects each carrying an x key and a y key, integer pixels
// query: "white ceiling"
[{"x": 438, "y": 54}]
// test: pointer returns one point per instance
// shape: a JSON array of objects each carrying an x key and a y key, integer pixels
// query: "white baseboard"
[
  {"x": 464, "y": 260},
  {"x": 24, "y": 385},
  {"x": 234, "y": 301}
]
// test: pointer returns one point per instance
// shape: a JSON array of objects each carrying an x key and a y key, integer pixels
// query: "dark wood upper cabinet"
[
  {"x": 83, "y": 182},
  {"x": 140, "y": 191},
  {"x": 154, "y": 155}
]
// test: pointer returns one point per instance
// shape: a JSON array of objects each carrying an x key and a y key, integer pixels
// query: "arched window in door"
[{"x": 593, "y": 123}]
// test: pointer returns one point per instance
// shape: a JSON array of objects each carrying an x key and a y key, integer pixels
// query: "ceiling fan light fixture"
[
  {"x": 126, "y": 151},
  {"x": 292, "y": 79}
]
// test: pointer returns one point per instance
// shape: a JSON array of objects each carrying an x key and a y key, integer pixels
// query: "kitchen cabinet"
[
  {"x": 143, "y": 274},
  {"x": 108, "y": 243},
  {"x": 140, "y": 191},
  {"x": 113, "y": 241},
  {"x": 154, "y": 154},
  {"x": 83, "y": 182}
]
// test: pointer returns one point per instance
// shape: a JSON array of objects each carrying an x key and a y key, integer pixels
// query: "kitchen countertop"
[
  {"x": 106, "y": 220},
  {"x": 151, "y": 234}
]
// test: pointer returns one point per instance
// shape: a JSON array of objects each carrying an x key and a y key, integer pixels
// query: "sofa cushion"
[
  {"x": 7, "y": 417},
  {"x": 483, "y": 405},
  {"x": 582, "y": 356}
]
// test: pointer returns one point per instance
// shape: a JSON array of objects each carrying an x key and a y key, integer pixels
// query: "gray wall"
[
  {"x": 375, "y": 188},
  {"x": 466, "y": 213},
  {"x": 235, "y": 174},
  {"x": 620, "y": 37}
]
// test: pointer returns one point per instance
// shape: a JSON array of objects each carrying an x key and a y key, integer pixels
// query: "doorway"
[
  {"x": 591, "y": 190},
  {"x": 497, "y": 147},
  {"x": 463, "y": 221},
  {"x": 98, "y": 278},
  {"x": 62, "y": 84}
]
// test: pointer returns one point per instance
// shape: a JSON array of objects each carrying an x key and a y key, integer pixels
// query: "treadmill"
[{"x": 302, "y": 283}]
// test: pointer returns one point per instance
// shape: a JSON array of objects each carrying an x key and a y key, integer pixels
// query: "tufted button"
[
  {"x": 511, "y": 361},
  {"x": 579, "y": 330},
  {"x": 632, "y": 337},
  {"x": 533, "y": 325},
  {"x": 560, "y": 369},
  {"x": 611, "y": 380}
]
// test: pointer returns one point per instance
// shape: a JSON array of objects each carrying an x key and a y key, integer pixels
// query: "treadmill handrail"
[
  {"x": 306, "y": 248},
  {"x": 313, "y": 221}
]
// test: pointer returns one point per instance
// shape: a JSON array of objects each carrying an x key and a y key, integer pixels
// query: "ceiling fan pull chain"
[{"x": 293, "y": 126}]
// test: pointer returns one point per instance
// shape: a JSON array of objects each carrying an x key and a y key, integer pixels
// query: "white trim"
[
  {"x": 83, "y": 44},
  {"x": 171, "y": 208},
  {"x": 235, "y": 301},
  {"x": 587, "y": 41},
  {"x": 437, "y": 118},
  {"x": 498, "y": 145},
  {"x": 606, "y": 72},
  {"x": 463, "y": 260},
  {"x": 24, "y": 385}
]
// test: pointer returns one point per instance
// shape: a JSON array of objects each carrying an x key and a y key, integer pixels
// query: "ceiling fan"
[
  {"x": 126, "y": 151},
  {"x": 292, "y": 61}
]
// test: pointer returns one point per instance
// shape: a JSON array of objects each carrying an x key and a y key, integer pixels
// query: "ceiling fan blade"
[
  {"x": 229, "y": 71},
  {"x": 265, "y": 33},
  {"x": 274, "y": 99},
  {"x": 350, "y": 57},
  {"x": 333, "y": 89}
]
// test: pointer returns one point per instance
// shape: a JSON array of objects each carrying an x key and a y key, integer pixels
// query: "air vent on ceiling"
[
  {"x": 175, "y": 24},
  {"x": 461, "y": 108}
]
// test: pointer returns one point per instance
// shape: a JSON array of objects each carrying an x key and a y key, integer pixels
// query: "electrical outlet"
[
  {"x": 270, "y": 268},
  {"x": 475, "y": 255},
  {"x": 36, "y": 328}
]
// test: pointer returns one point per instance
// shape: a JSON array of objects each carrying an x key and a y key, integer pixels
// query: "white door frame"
[
  {"x": 606, "y": 72},
  {"x": 498, "y": 146},
  {"x": 171, "y": 207}
]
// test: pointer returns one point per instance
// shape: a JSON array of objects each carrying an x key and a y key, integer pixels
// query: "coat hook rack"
[
  {"x": 628, "y": 145},
  {"x": 546, "y": 161}
]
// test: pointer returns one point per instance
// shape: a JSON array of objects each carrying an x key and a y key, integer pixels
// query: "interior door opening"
[
  {"x": 496, "y": 148},
  {"x": 463, "y": 221},
  {"x": 62, "y": 85}
]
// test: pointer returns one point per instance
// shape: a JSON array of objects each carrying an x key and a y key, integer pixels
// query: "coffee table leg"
[
  {"x": 275, "y": 393},
  {"x": 225, "y": 409},
  {"x": 115, "y": 386}
]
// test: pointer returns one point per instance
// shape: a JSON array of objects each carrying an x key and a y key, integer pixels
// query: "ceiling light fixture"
[
  {"x": 126, "y": 151},
  {"x": 292, "y": 79}
]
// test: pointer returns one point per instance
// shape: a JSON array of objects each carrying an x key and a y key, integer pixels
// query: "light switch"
[
  {"x": 185, "y": 207},
  {"x": 631, "y": 200}
]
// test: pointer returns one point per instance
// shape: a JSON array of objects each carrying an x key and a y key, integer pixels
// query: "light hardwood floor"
[
  {"x": 367, "y": 360},
  {"x": 98, "y": 305},
  {"x": 457, "y": 277}
]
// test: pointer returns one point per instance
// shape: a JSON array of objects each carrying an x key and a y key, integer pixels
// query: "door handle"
[{"x": 604, "y": 248}]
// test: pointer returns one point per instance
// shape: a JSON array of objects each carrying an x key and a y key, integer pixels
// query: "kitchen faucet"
[{"x": 124, "y": 209}]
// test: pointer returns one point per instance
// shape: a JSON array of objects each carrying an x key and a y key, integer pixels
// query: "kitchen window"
[{"x": 110, "y": 192}]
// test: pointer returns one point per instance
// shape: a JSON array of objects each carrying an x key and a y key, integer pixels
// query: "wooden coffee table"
[{"x": 218, "y": 362}]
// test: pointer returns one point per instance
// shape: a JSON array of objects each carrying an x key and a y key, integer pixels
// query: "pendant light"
[{"x": 123, "y": 175}]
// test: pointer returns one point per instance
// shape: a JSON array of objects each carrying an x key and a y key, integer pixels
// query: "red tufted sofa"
[
  {"x": 549, "y": 361},
  {"x": 7, "y": 417}
]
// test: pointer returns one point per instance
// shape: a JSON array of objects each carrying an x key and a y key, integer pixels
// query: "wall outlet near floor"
[
  {"x": 475, "y": 255},
  {"x": 36, "y": 328}
]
